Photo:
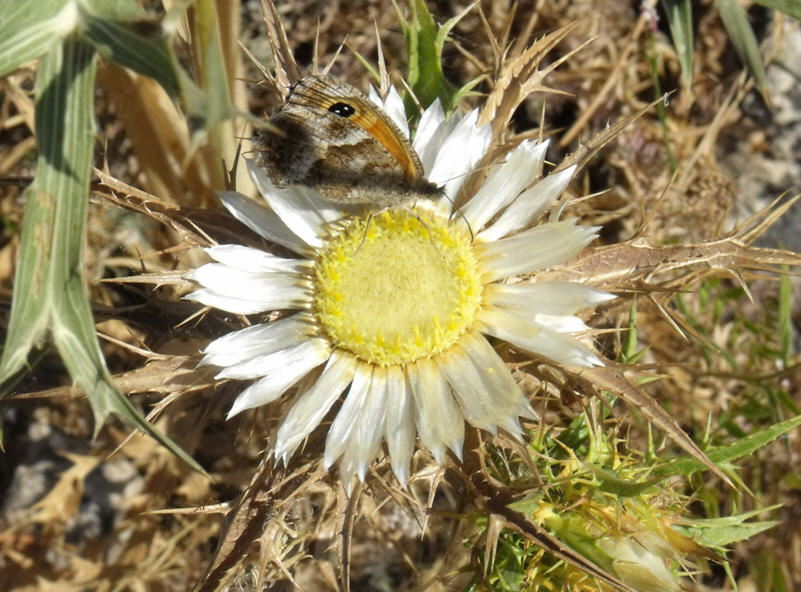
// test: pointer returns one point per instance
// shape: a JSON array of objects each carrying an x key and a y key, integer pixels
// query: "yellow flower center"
[{"x": 397, "y": 287}]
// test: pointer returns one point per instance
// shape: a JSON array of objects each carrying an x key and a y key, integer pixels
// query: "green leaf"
[
  {"x": 726, "y": 454},
  {"x": 115, "y": 10},
  {"x": 618, "y": 486},
  {"x": 629, "y": 353},
  {"x": 735, "y": 20},
  {"x": 786, "y": 318},
  {"x": 141, "y": 46},
  {"x": 50, "y": 297},
  {"x": 125, "y": 37},
  {"x": 214, "y": 104},
  {"x": 119, "y": 30},
  {"x": 424, "y": 44},
  {"x": 716, "y": 533},
  {"x": 465, "y": 90},
  {"x": 29, "y": 29},
  {"x": 680, "y": 20},
  {"x": 789, "y": 7}
]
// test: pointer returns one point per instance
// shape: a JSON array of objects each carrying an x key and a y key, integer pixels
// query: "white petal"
[
  {"x": 530, "y": 203},
  {"x": 505, "y": 183},
  {"x": 233, "y": 305},
  {"x": 283, "y": 370},
  {"x": 312, "y": 406},
  {"x": 560, "y": 323},
  {"x": 551, "y": 298},
  {"x": 509, "y": 401},
  {"x": 430, "y": 151},
  {"x": 362, "y": 445},
  {"x": 242, "y": 292},
  {"x": 548, "y": 244},
  {"x": 255, "y": 260},
  {"x": 399, "y": 430},
  {"x": 300, "y": 209},
  {"x": 439, "y": 421},
  {"x": 275, "y": 363},
  {"x": 482, "y": 384},
  {"x": 258, "y": 340},
  {"x": 393, "y": 106},
  {"x": 430, "y": 124},
  {"x": 459, "y": 153},
  {"x": 373, "y": 95},
  {"x": 536, "y": 339},
  {"x": 280, "y": 299},
  {"x": 347, "y": 416},
  {"x": 261, "y": 220}
]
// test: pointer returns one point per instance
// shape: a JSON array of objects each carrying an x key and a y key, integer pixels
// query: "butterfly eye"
[{"x": 342, "y": 109}]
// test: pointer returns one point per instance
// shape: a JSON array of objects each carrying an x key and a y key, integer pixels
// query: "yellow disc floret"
[{"x": 397, "y": 287}]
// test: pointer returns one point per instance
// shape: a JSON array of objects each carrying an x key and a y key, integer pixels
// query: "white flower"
[{"x": 395, "y": 308}]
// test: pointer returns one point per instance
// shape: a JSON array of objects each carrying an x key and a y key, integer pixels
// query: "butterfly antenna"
[
  {"x": 370, "y": 217},
  {"x": 466, "y": 222},
  {"x": 453, "y": 202},
  {"x": 461, "y": 215},
  {"x": 412, "y": 213}
]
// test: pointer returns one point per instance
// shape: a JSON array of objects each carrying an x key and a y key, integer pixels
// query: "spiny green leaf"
[
  {"x": 619, "y": 486},
  {"x": 424, "y": 43},
  {"x": 716, "y": 533},
  {"x": 730, "y": 452}
]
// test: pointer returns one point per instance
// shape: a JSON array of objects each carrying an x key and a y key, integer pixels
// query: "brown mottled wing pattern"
[{"x": 338, "y": 142}]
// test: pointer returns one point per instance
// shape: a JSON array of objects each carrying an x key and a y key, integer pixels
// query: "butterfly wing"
[{"x": 338, "y": 142}]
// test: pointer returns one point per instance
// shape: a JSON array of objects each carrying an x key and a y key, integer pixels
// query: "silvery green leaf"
[
  {"x": 29, "y": 29},
  {"x": 50, "y": 299}
]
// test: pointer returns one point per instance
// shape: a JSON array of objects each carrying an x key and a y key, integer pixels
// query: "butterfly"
[{"x": 335, "y": 140}]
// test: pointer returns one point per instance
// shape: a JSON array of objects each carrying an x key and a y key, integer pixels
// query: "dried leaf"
[{"x": 519, "y": 77}]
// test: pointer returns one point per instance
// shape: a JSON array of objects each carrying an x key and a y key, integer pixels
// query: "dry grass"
[{"x": 120, "y": 513}]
